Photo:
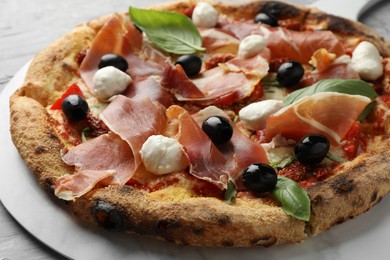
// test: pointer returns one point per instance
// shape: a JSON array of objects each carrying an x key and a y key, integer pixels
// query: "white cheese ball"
[
  {"x": 163, "y": 155},
  {"x": 251, "y": 45},
  {"x": 109, "y": 81},
  {"x": 366, "y": 61},
  {"x": 254, "y": 116},
  {"x": 205, "y": 15}
]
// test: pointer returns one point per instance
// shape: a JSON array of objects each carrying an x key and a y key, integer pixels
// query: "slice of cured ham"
[
  {"x": 229, "y": 82},
  {"x": 106, "y": 157},
  {"x": 134, "y": 121},
  {"x": 215, "y": 164},
  {"x": 296, "y": 45},
  {"x": 114, "y": 157}
]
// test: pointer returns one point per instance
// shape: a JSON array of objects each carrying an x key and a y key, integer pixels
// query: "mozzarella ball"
[
  {"x": 205, "y": 15},
  {"x": 251, "y": 45},
  {"x": 254, "y": 116},
  {"x": 109, "y": 81},
  {"x": 163, "y": 155},
  {"x": 367, "y": 61}
]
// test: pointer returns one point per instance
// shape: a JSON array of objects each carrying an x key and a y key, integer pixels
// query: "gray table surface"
[{"x": 27, "y": 26}]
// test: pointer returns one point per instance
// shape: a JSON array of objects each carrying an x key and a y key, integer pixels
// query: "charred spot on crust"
[
  {"x": 40, "y": 149},
  {"x": 317, "y": 200},
  {"x": 107, "y": 216},
  {"x": 228, "y": 243},
  {"x": 341, "y": 25},
  {"x": 279, "y": 10},
  {"x": 265, "y": 241},
  {"x": 374, "y": 196},
  {"x": 343, "y": 185},
  {"x": 198, "y": 230},
  {"x": 165, "y": 224},
  {"x": 223, "y": 220}
]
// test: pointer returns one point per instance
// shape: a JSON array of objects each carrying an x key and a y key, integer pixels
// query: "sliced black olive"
[
  {"x": 107, "y": 216},
  {"x": 190, "y": 63},
  {"x": 290, "y": 73},
  {"x": 114, "y": 60},
  {"x": 259, "y": 177},
  {"x": 218, "y": 129},
  {"x": 75, "y": 107},
  {"x": 267, "y": 19},
  {"x": 312, "y": 149}
]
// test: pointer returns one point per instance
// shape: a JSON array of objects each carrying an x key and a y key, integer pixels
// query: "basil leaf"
[
  {"x": 367, "y": 110},
  {"x": 172, "y": 32},
  {"x": 346, "y": 86},
  {"x": 230, "y": 192},
  {"x": 335, "y": 157},
  {"x": 294, "y": 199}
]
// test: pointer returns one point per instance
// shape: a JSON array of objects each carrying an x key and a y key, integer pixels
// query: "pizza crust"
[{"x": 199, "y": 221}]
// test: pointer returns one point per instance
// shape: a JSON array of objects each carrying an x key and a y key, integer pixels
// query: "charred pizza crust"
[{"x": 201, "y": 221}]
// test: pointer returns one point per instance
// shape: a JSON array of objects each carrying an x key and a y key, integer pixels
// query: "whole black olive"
[
  {"x": 290, "y": 73},
  {"x": 259, "y": 177},
  {"x": 218, "y": 129},
  {"x": 266, "y": 19},
  {"x": 190, "y": 63},
  {"x": 312, "y": 149},
  {"x": 114, "y": 60},
  {"x": 75, "y": 107}
]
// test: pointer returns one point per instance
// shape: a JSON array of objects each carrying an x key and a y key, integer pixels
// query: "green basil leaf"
[
  {"x": 294, "y": 199},
  {"x": 230, "y": 192},
  {"x": 346, "y": 86},
  {"x": 335, "y": 157},
  {"x": 172, "y": 32},
  {"x": 367, "y": 110}
]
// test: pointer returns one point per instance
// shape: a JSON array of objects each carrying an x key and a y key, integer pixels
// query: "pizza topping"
[
  {"x": 217, "y": 41},
  {"x": 294, "y": 199},
  {"x": 266, "y": 19},
  {"x": 259, "y": 177},
  {"x": 75, "y": 107},
  {"x": 72, "y": 89},
  {"x": 205, "y": 15},
  {"x": 190, "y": 63},
  {"x": 118, "y": 36},
  {"x": 290, "y": 73},
  {"x": 172, "y": 32},
  {"x": 162, "y": 155},
  {"x": 207, "y": 161},
  {"x": 320, "y": 113},
  {"x": 114, "y": 60},
  {"x": 218, "y": 128},
  {"x": 254, "y": 115},
  {"x": 312, "y": 149},
  {"x": 109, "y": 81},
  {"x": 366, "y": 60},
  {"x": 251, "y": 45},
  {"x": 73, "y": 186}
]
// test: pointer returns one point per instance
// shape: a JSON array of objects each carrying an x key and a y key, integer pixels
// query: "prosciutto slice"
[
  {"x": 215, "y": 164},
  {"x": 119, "y": 36},
  {"x": 296, "y": 45},
  {"x": 224, "y": 84},
  {"x": 112, "y": 158},
  {"x": 105, "y": 157}
]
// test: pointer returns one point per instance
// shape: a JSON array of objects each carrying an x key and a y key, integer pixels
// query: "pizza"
[{"x": 209, "y": 123}]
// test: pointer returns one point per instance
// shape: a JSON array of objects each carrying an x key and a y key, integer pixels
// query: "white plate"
[{"x": 49, "y": 221}]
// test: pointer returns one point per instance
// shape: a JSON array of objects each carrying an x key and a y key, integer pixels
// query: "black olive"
[
  {"x": 267, "y": 19},
  {"x": 290, "y": 73},
  {"x": 218, "y": 129},
  {"x": 75, "y": 107},
  {"x": 259, "y": 177},
  {"x": 190, "y": 63},
  {"x": 312, "y": 149},
  {"x": 107, "y": 216},
  {"x": 114, "y": 60}
]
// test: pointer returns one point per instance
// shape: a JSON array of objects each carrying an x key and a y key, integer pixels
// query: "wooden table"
[{"x": 27, "y": 26}]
